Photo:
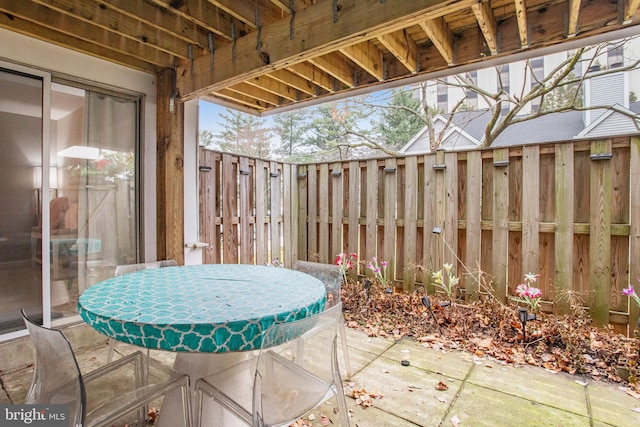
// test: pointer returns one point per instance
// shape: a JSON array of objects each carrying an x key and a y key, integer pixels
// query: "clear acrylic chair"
[
  {"x": 130, "y": 268},
  {"x": 286, "y": 384},
  {"x": 330, "y": 275},
  {"x": 105, "y": 395}
]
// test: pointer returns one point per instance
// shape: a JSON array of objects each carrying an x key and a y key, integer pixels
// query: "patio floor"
[{"x": 479, "y": 392}]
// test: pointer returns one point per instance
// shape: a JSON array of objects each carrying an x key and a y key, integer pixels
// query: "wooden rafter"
[
  {"x": 521, "y": 17},
  {"x": 72, "y": 26},
  {"x": 205, "y": 15},
  {"x": 275, "y": 87},
  {"x": 123, "y": 25},
  {"x": 35, "y": 30},
  {"x": 261, "y": 55},
  {"x": 574, "y": 14},
  {"x": 241, "y": 99},
  {"x": 441, "y": 36},
  {"x": 403, "y": 47},
  {"x": 336, "y": 65},
  {"x": 256, "y": 93},
  {"x": 312, "y": 74},
  {"x": 284, "y": 5},
  {"x": 295, "y": 81},
  {"x": 176, "y": 25},
  {"x": 356, "y": 22},
  {"x": 367, "y": 56},
  {"x": 487, "y": 24},
  {"x": 630, "y": 9}
]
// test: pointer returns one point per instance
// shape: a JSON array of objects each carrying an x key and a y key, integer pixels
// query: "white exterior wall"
[
  {"x": 520, "y": 82},
  {"x": 454, "y": 94},
  {"x": 487, "y": 79},
  {"x": 59, "y": 61},
  {"x": 553, "y": 60}
]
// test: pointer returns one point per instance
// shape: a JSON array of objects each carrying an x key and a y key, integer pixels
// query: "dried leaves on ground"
[{"x": 488, "y": 328}]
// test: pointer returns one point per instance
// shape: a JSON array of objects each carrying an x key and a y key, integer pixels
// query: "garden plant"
[{"x": 491, "y": 328}]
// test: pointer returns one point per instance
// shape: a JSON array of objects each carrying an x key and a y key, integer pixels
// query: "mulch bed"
[{"x": 488, "y": 328}]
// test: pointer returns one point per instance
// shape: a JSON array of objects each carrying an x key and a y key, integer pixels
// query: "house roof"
[
  {"x": 264, "y": 56},
  {"x": 548, "y": 128}
]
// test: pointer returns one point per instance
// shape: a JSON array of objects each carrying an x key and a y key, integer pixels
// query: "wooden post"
[
  {"x": 600, "y": 232},
  {"x": 169, "y": 170},
  {"x": 337, "y": 206},
  {"x": 531, "y": 209},
  {"x": 500, "y": 241},
  {"x": 354, "y": 214},
  {"x": 474, "y": 227},
  {"x": 410, "y": 222},
  {"x": 634, "y": 232},
  {"x": 390, "y": 202},
  {"x": 564, "y": 208}
]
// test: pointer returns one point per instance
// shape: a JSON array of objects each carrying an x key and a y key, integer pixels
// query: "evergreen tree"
[
  {"x": 401, "y": 119},
  {"x": 292, "y": 128},
  {"x": 335, "y": 124},
  {"x": 244, "y": 134}
]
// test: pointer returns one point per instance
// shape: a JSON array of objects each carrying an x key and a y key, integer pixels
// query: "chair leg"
[
  {"x": 345, "y": 350},
  {"x": 112, "y": 348}
]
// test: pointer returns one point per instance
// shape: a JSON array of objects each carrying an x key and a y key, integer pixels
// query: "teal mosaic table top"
[{"x": 200, "y": 308}]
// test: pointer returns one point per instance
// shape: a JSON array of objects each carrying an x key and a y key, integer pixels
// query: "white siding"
[{"x": 615, "y": 124}]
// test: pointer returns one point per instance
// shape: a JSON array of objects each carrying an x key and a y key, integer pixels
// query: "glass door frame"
[{"x": 45, "y": 77}]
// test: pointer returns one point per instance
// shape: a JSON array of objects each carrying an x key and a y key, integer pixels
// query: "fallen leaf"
[{"x": 441, "y": 386}]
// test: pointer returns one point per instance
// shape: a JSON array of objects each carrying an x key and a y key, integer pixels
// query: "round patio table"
[{"x": 211, "y": 315}]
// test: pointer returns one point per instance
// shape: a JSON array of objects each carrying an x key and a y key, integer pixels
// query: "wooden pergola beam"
[
  {"x": 441, "y": 36},
  {"x": 403, "y": 47},
  {"x": 368, "y": 57},
  {"x": 487, "y": 23},
  {"x": 275, "y": 87},
  {"x": 203, "y": 14},
  {"x": 521, "y": 16},
  {"x": 128, "y": 27},
  {"x": 318, "y": 30},
  {"x": 336, "y": 65},
  {"x": 574, "y": 14},
  {"x": 289, "y": 78},
  {"x": 256, "y": 93},
  {"x": 55, "y": 20},
  {"x": 313, "y": 74},
  {"x": 630, "y": 9},
  {"x": 240, "y": 99}
]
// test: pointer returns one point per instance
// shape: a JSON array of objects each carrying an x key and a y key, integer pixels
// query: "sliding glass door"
[
  {"x": 21, "y": 130},
  {"x": 68, "y": 193}
]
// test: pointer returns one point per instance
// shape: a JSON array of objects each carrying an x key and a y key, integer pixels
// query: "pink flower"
[
  {"x": 533, "y": 293},
  {"x": 384, "y": 263},
  {"x": 628, "y": 291},
  {"x": 521, "y": 290},
  {"x": 339, "y": 259}
]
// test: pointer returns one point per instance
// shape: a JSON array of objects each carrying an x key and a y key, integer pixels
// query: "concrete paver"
[{"x": 479, "y": 392}]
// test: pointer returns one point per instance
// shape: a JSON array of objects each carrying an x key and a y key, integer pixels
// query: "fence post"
[
  {"x": 500, "y": 241},
  {"x": 564, "y": 211},
  {"x": 473, "y": 206},
  {"x": 600, "y": 232},
  {"x": 634, "y": 232},
  {"x": 410, "y": 222}
]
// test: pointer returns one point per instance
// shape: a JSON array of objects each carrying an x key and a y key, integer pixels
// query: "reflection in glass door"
[
  {"x": 21, "y": 196},
  {"x": 78, "y": 200}
]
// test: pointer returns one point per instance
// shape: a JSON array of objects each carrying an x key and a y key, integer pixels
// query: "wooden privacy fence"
[{"x": 568, "y": 211}]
